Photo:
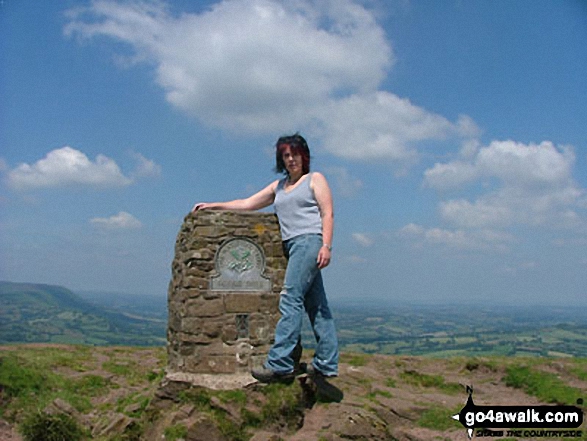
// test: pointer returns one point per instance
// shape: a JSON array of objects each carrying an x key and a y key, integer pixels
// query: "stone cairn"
[{"x": 223, "y": 298}]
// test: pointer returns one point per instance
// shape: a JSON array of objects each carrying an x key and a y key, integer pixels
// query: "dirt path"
[{"x": 8, "y": 433}]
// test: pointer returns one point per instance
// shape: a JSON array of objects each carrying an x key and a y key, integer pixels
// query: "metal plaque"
[{"x": 240, "y": 264}]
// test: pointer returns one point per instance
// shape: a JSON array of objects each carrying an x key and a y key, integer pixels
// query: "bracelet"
[{"x": 327, "y": 246}]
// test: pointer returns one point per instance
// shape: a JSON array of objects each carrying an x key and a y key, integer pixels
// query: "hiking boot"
[
  {"x": 300, "y": 368},
  {"x": 265, "y": 375},
  {"x": 312, "y": 371}
]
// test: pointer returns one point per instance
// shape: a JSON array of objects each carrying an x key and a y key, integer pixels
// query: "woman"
[{"x": 303, "y": 204}]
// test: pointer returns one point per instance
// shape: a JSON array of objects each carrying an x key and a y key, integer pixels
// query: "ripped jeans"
[{"x": 303, "y": 290}]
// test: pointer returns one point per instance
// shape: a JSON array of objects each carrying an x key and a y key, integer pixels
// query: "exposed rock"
[
  {"x": 116, "y": 424},
  {"x": 204, "y": 429}
]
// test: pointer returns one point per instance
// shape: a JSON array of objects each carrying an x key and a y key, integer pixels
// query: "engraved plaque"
[{"x": 240, "y": 264}]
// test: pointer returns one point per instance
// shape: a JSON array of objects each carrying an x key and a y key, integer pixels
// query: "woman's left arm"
[{"x": 324, "y": 198}]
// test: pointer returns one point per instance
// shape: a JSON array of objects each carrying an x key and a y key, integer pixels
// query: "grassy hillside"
[
  {"x": 46, "y": 313},
  {"x": 463, "y": 330},
  {"x": 114, "y": 393}
]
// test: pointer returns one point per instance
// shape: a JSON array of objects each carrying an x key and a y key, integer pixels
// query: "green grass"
[
  {"x": 390, "y": 382},
  {"x": 356, "y": 360},
  {"x": 439, "y": 418},
  {"x": 91, "y": 385},
  {"x": 474, "y": 364},
  {"x": 199, "y": 397},
  {"x": 238, "y": 396},
  {"x": 543, "y": 385},
  {"x": 17, "y": 380},
  {"x": 425, "y": 380},
  {"x": 31, "y": 378},
  {"x": 281, "y": 406},
  {"x": 125, "y": 365},
  {"x": 32, "y": 384},
  {"x": 373, "y": 394},
  {"x": 175, "y": 432},
  {"x": 122, "y": 369},
  {"x": 283, "y": 401},
  {"x": 366, "y": 382},
  {"x": 580, "y": 369}
]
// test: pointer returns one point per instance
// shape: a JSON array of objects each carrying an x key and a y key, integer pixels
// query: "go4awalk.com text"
[{"x": 554, "y": 421}]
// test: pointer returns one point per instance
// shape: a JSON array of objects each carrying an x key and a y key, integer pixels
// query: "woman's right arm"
[{"x": 259, "y": 200}]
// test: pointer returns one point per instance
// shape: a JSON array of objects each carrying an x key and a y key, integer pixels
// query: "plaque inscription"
[{"x": 240, "y": 264}]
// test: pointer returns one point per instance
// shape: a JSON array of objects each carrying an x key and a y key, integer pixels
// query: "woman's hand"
[
  {"x": 200, "y": 206},
  {"x": 259, "y": 200},
  {"x": 324, "y": 256}
]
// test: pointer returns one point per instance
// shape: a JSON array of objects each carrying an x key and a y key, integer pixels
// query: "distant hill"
[
  {"x": 144, "y": 305},
  {"x": 53, "y": 314}
]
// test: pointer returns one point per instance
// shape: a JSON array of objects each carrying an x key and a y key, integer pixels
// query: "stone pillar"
[{"x": 223, "y": 297}]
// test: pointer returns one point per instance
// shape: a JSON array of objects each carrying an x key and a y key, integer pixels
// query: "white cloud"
[
  {"x": 146, "y": 168},
  {"x": 270, "y": 66},
  {"x": 346, "y": 184},
  {"x": 362, "y": 239},
  {"x": 66, "y": 167},
  {"x": 483, "y": 239},
  {"x": 251, "y": 64},
  {"x": 523, "y": 184},
  {"x": 450, "y": 175},
  {"x": 120, "y": 221},
  {"x": 512, "y": 162},
  {"x": 379, "y": 125}
]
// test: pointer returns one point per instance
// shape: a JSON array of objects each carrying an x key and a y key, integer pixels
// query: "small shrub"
[{"x": 41, "y": 426}]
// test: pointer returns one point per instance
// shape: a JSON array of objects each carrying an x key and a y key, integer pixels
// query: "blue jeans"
[{"x": 303, "y": 289}]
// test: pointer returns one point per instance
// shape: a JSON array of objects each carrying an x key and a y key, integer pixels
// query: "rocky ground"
[{"x": 121, "y": 395}]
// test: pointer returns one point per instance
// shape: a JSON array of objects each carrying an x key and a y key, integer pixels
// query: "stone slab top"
[{"x": 212, "y": 381}]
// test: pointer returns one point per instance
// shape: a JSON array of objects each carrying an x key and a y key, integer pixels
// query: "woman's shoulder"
[
  {"x": 278, "y": 183},
  {"x": 316, "y": 176},
  {"x": 317, "y": 181}
]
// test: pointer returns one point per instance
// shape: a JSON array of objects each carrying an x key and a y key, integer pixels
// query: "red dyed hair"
[{"x": 298, "y": 145}]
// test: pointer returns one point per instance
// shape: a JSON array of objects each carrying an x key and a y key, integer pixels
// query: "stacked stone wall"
[{"x": 213, "y": 329}]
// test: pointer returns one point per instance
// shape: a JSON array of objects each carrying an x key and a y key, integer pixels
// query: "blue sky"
[{"x": 453, "y": 135}]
